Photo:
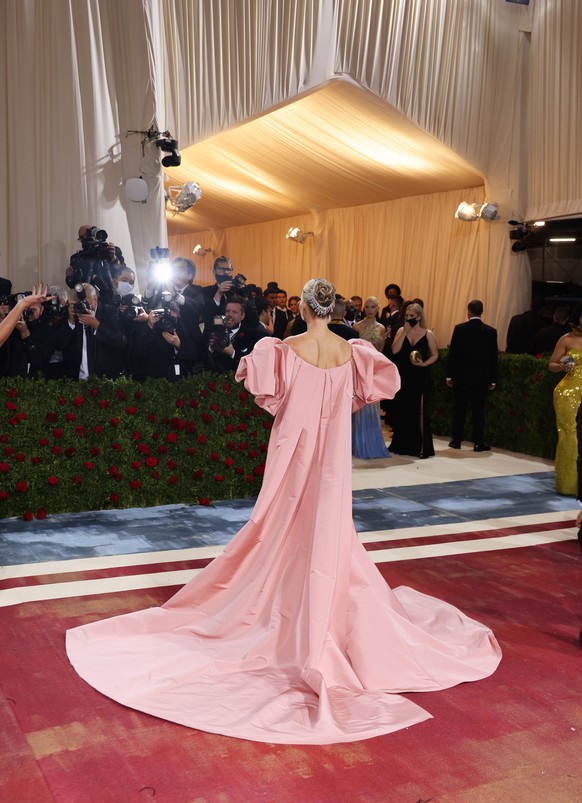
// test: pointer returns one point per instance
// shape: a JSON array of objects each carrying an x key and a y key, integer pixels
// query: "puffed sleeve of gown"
[
  {"x": 263, "y": 372},
  {"x": 375, "y": 376}
]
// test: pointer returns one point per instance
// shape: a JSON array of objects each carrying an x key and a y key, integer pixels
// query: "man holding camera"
[
  {"x": 164, "y": 349},
  {"x": 96, "y": 342},
  {"x": 31, "y": 344},
  {"x": 229, "y": 340},
  {"x": 95, "y": 263}
]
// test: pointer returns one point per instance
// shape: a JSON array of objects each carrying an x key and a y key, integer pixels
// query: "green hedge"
[
  {"x": 72, "y": 446},
  {"x": 520, "y": 413}
]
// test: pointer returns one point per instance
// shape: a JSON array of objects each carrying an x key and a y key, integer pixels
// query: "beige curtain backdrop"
[{"x": 496, "y": 82}]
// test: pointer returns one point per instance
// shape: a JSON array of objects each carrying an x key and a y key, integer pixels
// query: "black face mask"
[
  {"x": 412, "y": 321},
  {"x": 223, "y": 277}
]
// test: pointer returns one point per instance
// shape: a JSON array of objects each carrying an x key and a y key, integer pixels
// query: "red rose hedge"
[{"x": 69, "y": 446}]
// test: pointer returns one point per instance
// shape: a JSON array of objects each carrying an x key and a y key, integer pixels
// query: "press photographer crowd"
[{"x": 98, "y": 326}]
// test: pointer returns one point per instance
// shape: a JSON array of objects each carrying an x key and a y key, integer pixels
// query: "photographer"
[
  {"x": 162, "y": 348},
  {"x": 95, "y": 263},
  {"x": 96, "y": 342},
  {"x": 32, "y": 343},
  {"x": 10, "y": 313},
  {"x": 229, "y": 340},
  {"x": 214, "y": 296}
]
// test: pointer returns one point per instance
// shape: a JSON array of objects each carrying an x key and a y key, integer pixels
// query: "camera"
[
  {"x": 166, "y": 322},
  {"x": 53, "y": 308},
  {"x": 81, "y": 305},
  {"x": 239, "y": 283},
  {"x": 94, "y": 244},
  {"x": 219, "y": 334},
  {"x": 130, "y": 303}
]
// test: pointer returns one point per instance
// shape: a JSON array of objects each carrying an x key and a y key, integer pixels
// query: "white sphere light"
[{"x": 136, "y": 190}]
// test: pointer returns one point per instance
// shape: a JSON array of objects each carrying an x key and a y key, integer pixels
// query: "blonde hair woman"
[{"x": 415, "y": 348}]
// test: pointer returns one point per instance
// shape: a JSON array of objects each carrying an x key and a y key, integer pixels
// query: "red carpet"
[{"x": 513, "y": 737}]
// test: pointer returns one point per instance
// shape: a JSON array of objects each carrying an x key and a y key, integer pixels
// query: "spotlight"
[
  {"x": 297, "y": 235},
  {"x": 466, "y": 211},
  {"x": 519, "y": 246},
  {"x": 169, "y": 145},
  {"x": 201, "y": 252},
  {"x": 183, "y": 196}
]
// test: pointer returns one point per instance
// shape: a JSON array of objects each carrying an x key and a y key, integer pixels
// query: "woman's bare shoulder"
[{"x": 324, "y": 352}]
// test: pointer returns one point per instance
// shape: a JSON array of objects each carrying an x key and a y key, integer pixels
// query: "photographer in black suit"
[
  {"x": 95, "y": 263},
  {"x": 230, "y": 340},
  {"x": 471, "y": 372},
  {"x": 95, "y": 343}
]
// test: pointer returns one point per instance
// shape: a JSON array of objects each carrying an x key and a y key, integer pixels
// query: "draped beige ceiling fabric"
[{"x": 494, "y": 84}]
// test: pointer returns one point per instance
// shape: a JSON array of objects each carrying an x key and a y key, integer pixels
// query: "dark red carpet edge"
[{"x": 513, "y": 737}]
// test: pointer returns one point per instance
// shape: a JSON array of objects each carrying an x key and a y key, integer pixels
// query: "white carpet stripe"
[
  {"x": 200, "y": 553},
  {"x": 83, "y": 588}
]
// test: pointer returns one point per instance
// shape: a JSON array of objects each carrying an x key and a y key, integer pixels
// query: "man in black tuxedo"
[
  {"x": 471, "y": 372},
  {"x": 96, "y": 342},
  {"x": 227, "y": 344}
]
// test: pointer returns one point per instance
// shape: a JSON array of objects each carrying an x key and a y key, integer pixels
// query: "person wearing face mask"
[
  {"x": 213, "y": 296},
  {"x": 414, "y": 349}
]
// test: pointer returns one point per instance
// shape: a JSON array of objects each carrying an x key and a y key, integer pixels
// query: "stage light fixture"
[
  {"x": 489, "y": 211},
  {"x": 297, "y": 235},
  {"x": 468, "y": 212},
  {"x": 183, "y": 196}
]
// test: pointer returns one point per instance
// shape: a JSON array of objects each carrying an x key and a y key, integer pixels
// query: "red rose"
[
  {"x": 9, "y": 450},
  {"x": 57, "y": 433},
  {"x": 13, "y": 422},
  {"x": 198, "y": 474},
  {"x": 214, "y": 456},
  {"x": 172, "y": 479},
  {"x": 114, "y": 498},
  {"x": 35, "y": 460},
  {"x": 179, "y": 402},
  {"x": 259, "y": 470},
  {"x": 155, "y": 475},
  {"x": 155, "y": 436},
  {"x": 88, "y": 465},
  {"x": 151, "y": 418},
  {"x": 253, "y": 453},
  {"x": 56, "y": 449},
  {"x": 136, "y": 464},
  {"x": 71, "y": 417},
  {"x": 193, "y": 403},
  {"x": 77, "y": 480},
  {"x": 242, "y": 427},
  {"x": 98, "y": 429},
  {"x": 207, "y": 418},
  {"x": 172, "y": 464},
  {"x": 243, "y": 445},
  {"x": 151, "y": 461},
  {"x": 243, "y": 396},
  {"x": 41, "y": 514},
  {"x": 120, "y": 394},
  {"x": 226, "y": 387},
  {"x": 117, "y": 447},
  {"x": 3, "y": 438},
  {"x": 138, "y": 395},
  {"x": 80, "y": 431},
  {"x": 204, "y": 500},
  {"x": 42, "y": 442},
  {"x": 229, "y": 428},
  {"x": 114, "y": 422},
  {"x": 136, "y": 436},
  {"x": 3, "y": 496},
  {"x": 131, "y": 410},
  {"x": 95, "y": 450},
  {"x": 4, "y": 467},
  {"x": 20, "y": 457},
  {"x": 143, "y": 448},
  {"x": 104, "y": 404},
  {"x": 204, "y": 393},
  {"x": 78, "y": 401},
  {"x": 211, "y": 385},
  {"x": 52, "y": 480},
  {"x": 172, "y": 437},
  {"x": 117, "y": 477},
  {"x": 135, "y": 484},
  {"x": 62, "y": 401},
  {"x": 215, "y": 407},
  {"x": 28, "y": 516},
  {"x": 52, "y": 417},
  {"x": 202, "y": 439},
  {"x": 263, "y": 447},
  {"x": 249, "y": 478},
  {"x": 267, "y": 424},
  {"x": 177, "y": 423},
  {"x": 239, "y": 470},
  {"x": 162, "y": 449},
  {"x": 12, "y": 393},
  {"x": 229, "y": 462},
  {"x": 22, "y": 486},
  {"x": 190, "y": 451},
  {"x": 113, "y": 470},
  {"x": 94, "y": 392},
  {"x": 190, "y": 426},
  {"x": 218, "y": 477}
]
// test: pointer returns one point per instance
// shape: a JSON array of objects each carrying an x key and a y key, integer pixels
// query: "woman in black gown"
[{"x": 415, "y": 348}]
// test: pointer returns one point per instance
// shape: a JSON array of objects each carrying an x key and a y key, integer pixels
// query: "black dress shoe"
[
  {"x": 454, "y": 445},
  {"x": 481, "y": 447}
]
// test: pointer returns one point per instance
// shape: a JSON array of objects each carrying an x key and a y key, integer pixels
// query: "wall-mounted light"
[
  {"x": 562, "y": 239},
  {"x": 297, "y": 235},
  {"x": 489, "y": 211},
  {"x": 183, "y": 196},
  {"x": 471, "y": 212},
  {"x": 201, "y": 252}
]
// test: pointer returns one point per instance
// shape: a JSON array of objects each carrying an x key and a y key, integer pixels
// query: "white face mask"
[{"x": 124, "y": 288}]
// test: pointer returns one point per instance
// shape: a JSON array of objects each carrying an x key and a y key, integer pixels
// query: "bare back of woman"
[{"x": 322, "y": 348}]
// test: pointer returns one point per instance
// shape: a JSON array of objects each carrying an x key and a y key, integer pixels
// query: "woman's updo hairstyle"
[{"x": 319, "y": 295}]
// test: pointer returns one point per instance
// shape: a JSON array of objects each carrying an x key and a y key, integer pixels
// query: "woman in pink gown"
[{"x": 292, "y": 635}]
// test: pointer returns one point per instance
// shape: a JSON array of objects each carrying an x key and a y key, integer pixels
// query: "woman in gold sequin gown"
[{"x": 567, "y": 399}]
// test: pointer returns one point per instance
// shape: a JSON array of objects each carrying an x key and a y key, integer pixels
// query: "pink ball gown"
[{"x": 292, "y": 635}]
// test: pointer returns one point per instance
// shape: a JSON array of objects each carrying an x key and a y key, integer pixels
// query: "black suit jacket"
[
  {"x": 282, "y": 318},
  {"x": 473, "y": 354},
  {"x": 243, "y": 342},
  {"x": 105, "y": 347}
]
